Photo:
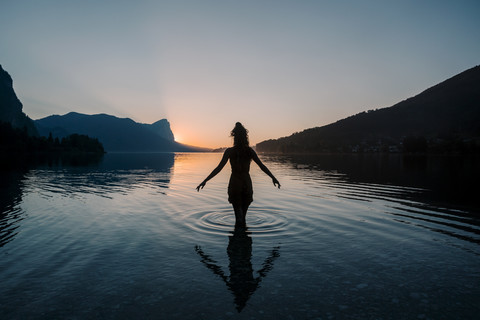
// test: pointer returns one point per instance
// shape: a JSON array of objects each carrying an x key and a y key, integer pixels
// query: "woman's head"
[{"x": 240, "y": 135}]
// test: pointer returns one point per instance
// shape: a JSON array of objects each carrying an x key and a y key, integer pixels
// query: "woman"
[{"x": 240, "y": 191}]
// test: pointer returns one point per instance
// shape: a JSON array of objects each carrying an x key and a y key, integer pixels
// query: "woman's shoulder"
[
  {"x": 228, "y": 151},
  {"x": 251, "y": 152}
]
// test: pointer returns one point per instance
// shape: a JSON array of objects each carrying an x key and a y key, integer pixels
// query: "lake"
[{"x": 346, "y": 237}]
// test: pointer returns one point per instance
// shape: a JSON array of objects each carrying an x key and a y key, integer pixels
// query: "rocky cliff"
[{"x": 11, "y": 107}]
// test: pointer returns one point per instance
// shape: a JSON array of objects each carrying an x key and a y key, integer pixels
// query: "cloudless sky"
[{"x": 276, "y": 66}]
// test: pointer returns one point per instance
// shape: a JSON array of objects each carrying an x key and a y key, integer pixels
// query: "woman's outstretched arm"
[
  {"x": 215, "y": 171},
  {"x": 265, "y": 169}
]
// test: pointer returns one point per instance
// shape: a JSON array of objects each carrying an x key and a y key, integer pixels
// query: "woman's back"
[{"x": 240, "y": 158}]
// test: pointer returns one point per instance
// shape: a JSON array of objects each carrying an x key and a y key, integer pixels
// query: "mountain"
[
  {"x": 443, "y": 118},
  {"x": 19, "y": 140},
  {"x": 11, "y": 107},
  {"x": 162, "y": 128},
  {"x": 116, "y": 134}
]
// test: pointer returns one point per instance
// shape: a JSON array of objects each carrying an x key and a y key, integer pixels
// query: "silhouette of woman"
[{"x": 240, "y": 191}]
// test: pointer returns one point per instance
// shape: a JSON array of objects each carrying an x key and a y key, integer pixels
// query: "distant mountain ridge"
[
  {"x": 11, "y": 107},
  {"x": 445, "y": 117},
  {"x": 116, "y": 134}
]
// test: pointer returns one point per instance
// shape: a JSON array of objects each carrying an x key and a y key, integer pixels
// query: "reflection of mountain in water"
[
  {"x": 431, "y": 192},
  {"x": 441, "y": 178},
  {"x": 11, "y": 185},
  {"x": 118, "y": 172},
  {"x": 72, "y": 176}
]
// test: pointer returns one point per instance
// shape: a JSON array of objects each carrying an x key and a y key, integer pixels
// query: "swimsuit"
[{"x": 240, "y": 190}]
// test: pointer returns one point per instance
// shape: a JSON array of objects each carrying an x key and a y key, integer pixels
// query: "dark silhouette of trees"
[
  {"x": 15, "y": 141},
  {"x": 81, "y": 143},
  {"x": 414, "y": 144}
]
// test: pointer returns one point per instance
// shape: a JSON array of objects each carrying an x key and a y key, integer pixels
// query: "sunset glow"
[{"x": 278, "y": 67}]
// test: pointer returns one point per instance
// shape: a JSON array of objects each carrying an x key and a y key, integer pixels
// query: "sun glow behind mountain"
[{"x": 278, "y": 67}]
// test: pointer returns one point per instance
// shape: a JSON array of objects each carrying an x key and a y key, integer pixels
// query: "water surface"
[{"x": 347, "y": 237}]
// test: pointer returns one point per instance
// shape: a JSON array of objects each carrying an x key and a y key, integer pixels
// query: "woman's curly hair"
[{"x": 240, "y": 135}]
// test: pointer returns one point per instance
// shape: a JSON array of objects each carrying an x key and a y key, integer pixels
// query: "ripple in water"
[{"x": 260, "y": 222}]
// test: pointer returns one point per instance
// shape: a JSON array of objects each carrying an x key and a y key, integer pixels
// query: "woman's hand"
[
  {"x": 201, "y": 185},
  {"x": 276, "y": 183}
]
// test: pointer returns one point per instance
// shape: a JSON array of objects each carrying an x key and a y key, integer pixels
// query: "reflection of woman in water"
[
  {"x": 242, "y": 281},
  {"x": 240, "y": 191}
]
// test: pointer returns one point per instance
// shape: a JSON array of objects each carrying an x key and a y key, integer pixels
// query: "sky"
[{"x": 278, "y": 67}]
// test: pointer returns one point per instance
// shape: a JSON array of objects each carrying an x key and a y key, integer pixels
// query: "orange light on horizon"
[
  {"x": 192, "y": 140},
  {"x": 198, "y": 137},
  {"x": 203, "y": 141}
]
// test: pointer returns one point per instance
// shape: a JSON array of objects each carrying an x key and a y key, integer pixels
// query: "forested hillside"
[{"x": 444, "y": 118}]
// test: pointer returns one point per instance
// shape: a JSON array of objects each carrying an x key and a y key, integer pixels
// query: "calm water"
[{"x": 347, "y": 237}]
